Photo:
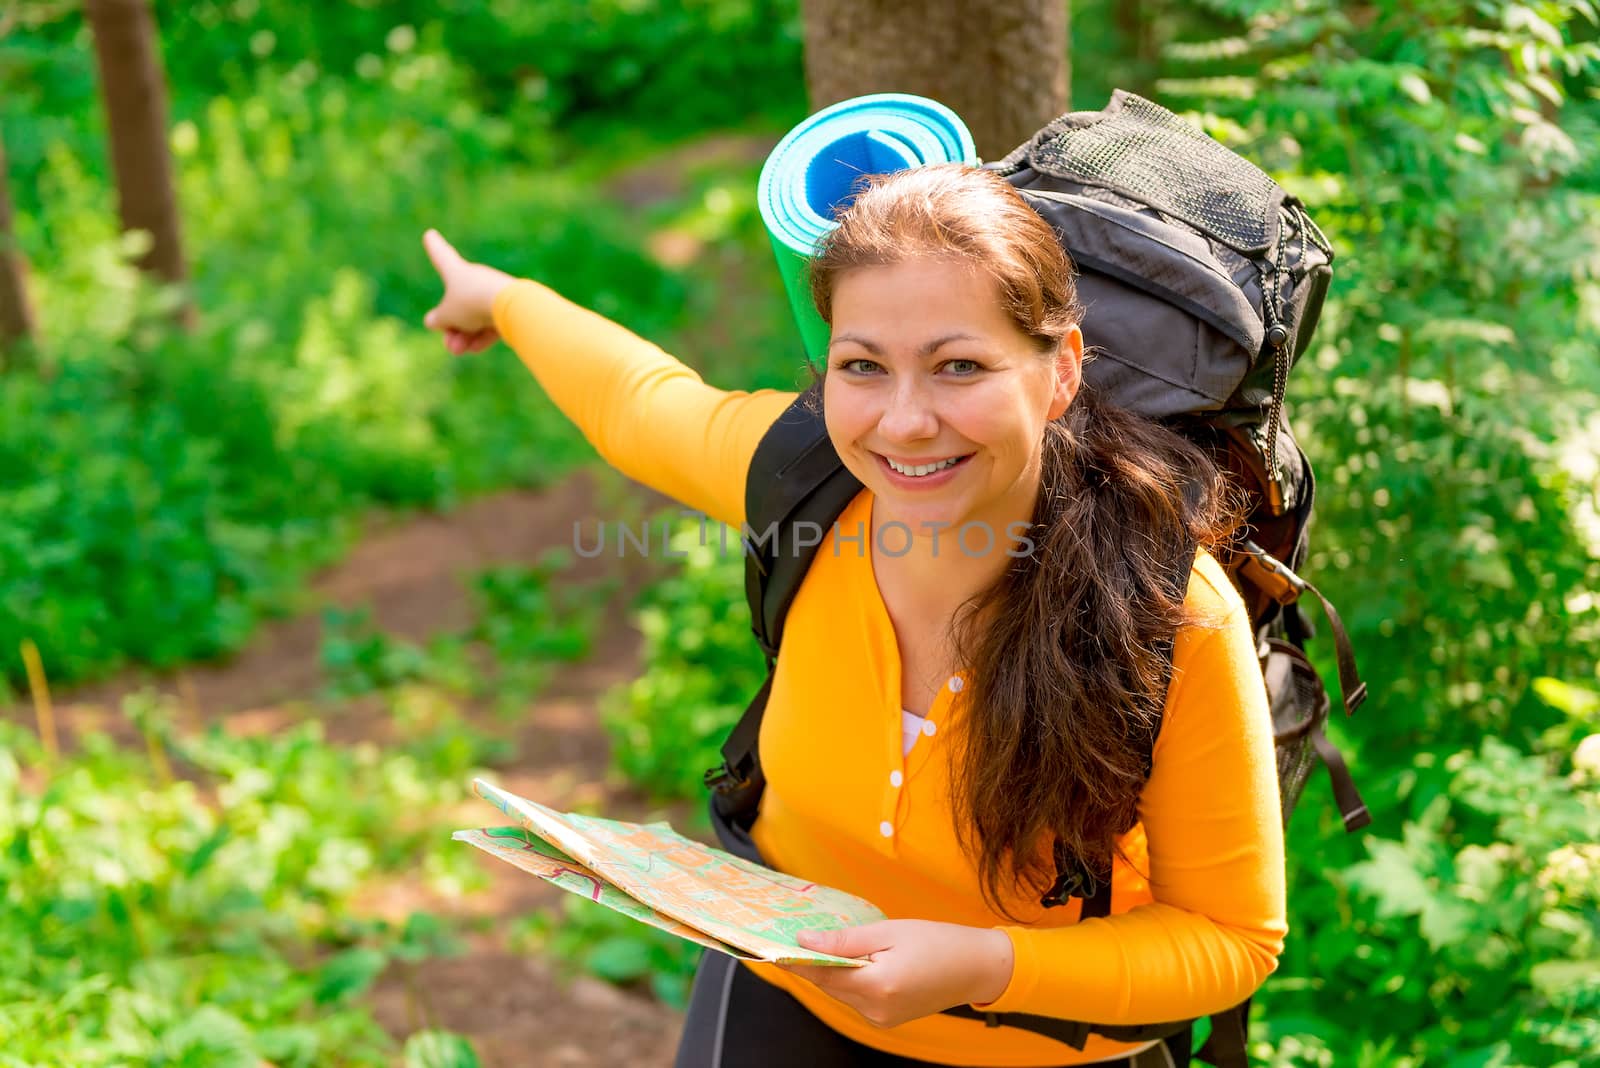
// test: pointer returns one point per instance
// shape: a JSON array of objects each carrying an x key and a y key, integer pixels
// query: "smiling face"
[{"x": 936, "y": 400}]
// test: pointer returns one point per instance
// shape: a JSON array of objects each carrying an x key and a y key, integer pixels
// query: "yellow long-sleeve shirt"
[{"x": 1199, "y": 906}]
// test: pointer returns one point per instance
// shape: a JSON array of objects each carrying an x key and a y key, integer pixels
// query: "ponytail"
[{"x": 1070, "y": 650}]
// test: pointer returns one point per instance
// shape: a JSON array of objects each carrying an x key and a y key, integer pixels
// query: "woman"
[{"x": 948, "y": 713}]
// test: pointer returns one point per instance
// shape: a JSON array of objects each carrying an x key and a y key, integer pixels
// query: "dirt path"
[
  {"x": 519, "y": 1015},
  {"x": 410, "y": 572},
  {"x": 517, "y": 1009},
  {"x": 412, "y": 575}
]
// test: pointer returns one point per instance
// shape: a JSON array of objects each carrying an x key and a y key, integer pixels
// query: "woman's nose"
[{"x": 908, "y": 414}]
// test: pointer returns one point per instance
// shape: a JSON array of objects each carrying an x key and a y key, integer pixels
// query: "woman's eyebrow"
[{"x": 926, "y": 350}]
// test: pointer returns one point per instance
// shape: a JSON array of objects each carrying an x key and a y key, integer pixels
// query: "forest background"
[{"x": 178, "y": 463}]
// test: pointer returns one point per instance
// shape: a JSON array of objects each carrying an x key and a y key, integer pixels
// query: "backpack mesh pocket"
[
  {"x": 1299, "y": 705},
  {"x": 1142, "y": 150}
]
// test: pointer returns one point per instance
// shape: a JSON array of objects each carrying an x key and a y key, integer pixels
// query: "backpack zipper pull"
[{"x": 1278, "y": 338}]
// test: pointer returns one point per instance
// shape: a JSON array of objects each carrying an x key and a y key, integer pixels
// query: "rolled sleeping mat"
[{"x": 814, "y": 168}]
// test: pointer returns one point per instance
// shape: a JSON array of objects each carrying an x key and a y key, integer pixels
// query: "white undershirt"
[{"x": 910, "y": 729}]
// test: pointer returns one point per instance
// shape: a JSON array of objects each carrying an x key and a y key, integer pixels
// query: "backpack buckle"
[
  {"x": 1074, "y": 882},
  {"x": 725, "y": 779},
  {"x": 1271, "y": 575}
]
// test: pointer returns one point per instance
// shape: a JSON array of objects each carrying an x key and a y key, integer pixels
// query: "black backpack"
[{"x": 1202, "y": 281}]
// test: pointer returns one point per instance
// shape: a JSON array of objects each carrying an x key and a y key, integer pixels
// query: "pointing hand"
[{"x": 464, "y": 316}]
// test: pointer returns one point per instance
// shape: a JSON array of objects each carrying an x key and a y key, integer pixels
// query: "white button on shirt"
[{"x": 911, "y": 726}]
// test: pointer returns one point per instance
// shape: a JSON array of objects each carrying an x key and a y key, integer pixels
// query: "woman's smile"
[{"x": 921, "y": 474}]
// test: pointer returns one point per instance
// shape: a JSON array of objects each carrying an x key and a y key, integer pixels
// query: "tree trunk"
[
  {"x": 16, "y": 314},
  {"x": 134, "y": 88},
  {"x": 1136, "y": 24},
  {"x": 1001, "y": 67}
]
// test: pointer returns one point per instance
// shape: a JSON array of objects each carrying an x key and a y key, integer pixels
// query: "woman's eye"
[
  {"x": 859, "y": 367},
  {"x": 963, "y": 367}
]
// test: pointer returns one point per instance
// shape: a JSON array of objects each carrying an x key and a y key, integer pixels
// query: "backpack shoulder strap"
[{"x": 795, "y": 478}]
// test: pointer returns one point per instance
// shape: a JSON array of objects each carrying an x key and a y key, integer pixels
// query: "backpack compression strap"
[{"x": 1286, "y": 587}]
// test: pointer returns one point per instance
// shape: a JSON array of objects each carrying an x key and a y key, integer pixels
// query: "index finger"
[{"x": 440, "y": 252}]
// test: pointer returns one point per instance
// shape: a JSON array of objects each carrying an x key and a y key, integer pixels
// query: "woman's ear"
[{"x": 1069, "y": 371}]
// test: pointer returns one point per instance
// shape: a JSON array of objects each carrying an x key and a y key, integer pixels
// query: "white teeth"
[{"x": 922, "y": 469}]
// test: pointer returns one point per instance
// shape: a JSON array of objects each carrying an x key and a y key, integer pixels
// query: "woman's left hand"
[{"x": 915, "y": 967}]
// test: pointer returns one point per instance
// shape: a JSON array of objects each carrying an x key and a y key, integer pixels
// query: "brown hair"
[{"x": 1069, "y": 651}]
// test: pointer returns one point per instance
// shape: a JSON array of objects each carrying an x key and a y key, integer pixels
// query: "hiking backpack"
[{"x": 1202, "y": 282}]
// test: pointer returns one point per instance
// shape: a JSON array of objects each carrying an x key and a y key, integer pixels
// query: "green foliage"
[
  {"x": 204, "y": 922},
  {"x": 1449, "y": 152},
  {"x": 701, "y": 667},
  {"x": 670, "y": 66},
  {"x": 1488, "y": 899},
  {"x": 358, "y": 659}
]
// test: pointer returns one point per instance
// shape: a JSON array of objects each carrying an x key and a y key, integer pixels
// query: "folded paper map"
[{"x": 653, "y": 874}]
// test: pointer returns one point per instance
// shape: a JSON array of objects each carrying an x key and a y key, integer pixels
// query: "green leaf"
[
  {"x": 670, "y": 989},
  {"x": 1498, "y": 1055},
  {"x": 1553, "y": 977},
  {"x": 347, "y": 974},
  {"x": 439, "y": 1049},
  {"x": 425, "y": 935},
  {"x": 1576, "y": 701},
  {"x": 1518, "y": 17},
  {"x": 207, "y": 1038},
  {"x": 1415, "y": 88},
  {"x": 1392, "y": 879},
  {"x": 620, "y": 958},
  {"x": 1446, "y": 921},
  {"x": 294, "y": 1044},
  {"x": 208, "y": 849},
  {"x": 1545, "y": 88}
]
